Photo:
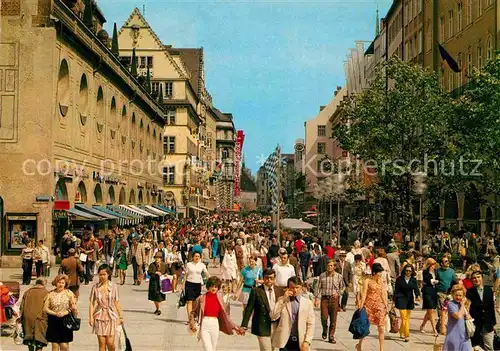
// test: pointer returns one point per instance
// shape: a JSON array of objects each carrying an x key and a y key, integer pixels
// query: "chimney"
[{"x": 321, "y": 108}]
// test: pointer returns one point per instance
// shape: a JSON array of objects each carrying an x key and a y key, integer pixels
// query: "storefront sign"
[
  {"x": 240, "y": 138},
  {"x": 97, "y": 177},
  {"x": 140, "y": 185},
  {"x": 21, "y": 218},
  {"x": 57, "y": 214},
  {"x": 111, "y": 179}
]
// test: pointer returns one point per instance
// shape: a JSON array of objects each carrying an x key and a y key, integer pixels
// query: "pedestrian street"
[{"x": 169, "y": 331}]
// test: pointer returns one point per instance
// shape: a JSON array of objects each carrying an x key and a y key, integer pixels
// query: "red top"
[
  {"x": 330, "y": 251},
  {"x": 467, "y": 283},
  {"x": 212, "y": 305},
  {"x": 298, "y": 245}
]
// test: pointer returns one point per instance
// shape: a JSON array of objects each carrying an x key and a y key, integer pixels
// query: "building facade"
[
  {"x": 178, "y": 83},
  {"x": 321, "y": 150},
  {"x": 76, "y": 127},
  {"x": 225, "y": 150}
]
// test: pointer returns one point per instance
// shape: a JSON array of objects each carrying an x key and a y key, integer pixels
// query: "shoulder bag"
[{"x": 71, "y": 322}]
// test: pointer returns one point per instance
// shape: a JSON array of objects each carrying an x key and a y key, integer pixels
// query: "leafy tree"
[{"x": 395, "y": 128}]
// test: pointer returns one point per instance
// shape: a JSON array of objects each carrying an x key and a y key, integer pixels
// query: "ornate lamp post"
[{"x": 420, "y": 187}]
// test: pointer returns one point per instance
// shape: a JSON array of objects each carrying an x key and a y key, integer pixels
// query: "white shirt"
[
  {"x": 270, "y": 297},
  {"x": 283, "y": 273},
  {"x": 194, "y": 271}
]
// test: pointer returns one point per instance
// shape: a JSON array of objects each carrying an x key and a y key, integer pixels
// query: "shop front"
[{"x": 19, "y": 229}]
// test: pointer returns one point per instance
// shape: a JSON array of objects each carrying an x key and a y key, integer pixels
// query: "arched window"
[
  {"x": 140, "y": 198},
  {"x": 121, "y": 198},
  {"x": 61, "y": 192},
  {"x": 83, "y": 100},
  {"x": 98, "y": 194},
  {"x": 81, "y": 193},
  {"x": 111, "y": 195},
  {"x": 63, "y": 88},
  {"x": 489, "y": 49},
  {"x": 131, "y": 199}
]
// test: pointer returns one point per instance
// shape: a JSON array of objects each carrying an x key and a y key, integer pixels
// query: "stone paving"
[{"x": 169, "y": 330}]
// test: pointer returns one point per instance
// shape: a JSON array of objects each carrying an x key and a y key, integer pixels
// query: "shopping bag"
[
  {"x": 121, "y": 338},
  {"x": 470, "y": 327},
  {"x": 128, "y": 345},
  {"x": 165, "y": 284},
  {"x": 394, "y": 320},
  {"x": 83, "y": 257},
  {"x": 182, "y": 300}
]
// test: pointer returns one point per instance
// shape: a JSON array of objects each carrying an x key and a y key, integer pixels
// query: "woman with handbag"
[
  {"x": 457, "y": 338},
  {"x": 194, "y": 280},
  {"x": 59, "y": 304},
  {"x": 105, "y": 313},
  {"x": 155, "y": 271}
]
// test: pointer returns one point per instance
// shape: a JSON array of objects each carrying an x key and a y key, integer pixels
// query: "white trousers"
[{"x": 209, "y": 333}]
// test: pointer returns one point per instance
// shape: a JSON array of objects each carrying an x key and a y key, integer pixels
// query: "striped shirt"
[{"x": 330, "y": 285}]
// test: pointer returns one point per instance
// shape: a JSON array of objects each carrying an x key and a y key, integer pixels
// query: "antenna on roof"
[{"x": 144, "y": 10}]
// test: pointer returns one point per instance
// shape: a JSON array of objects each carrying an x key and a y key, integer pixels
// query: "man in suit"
[
  {"x": 482, "y": 309},
  {"x": 394, "y": 264},
  {"x": 344, "y": 268},
  {"x": 261, "y": 302},
  {"x": 72, "y": 267},
  {"x": 296, "y": 319}
]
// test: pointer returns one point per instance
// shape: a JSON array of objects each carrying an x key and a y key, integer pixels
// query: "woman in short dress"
[
  {"x": 374, "y": 299},
  {"x": 58, "y": 304},
  {"x": 429, "y": 295},
  {"x": 194, "y": 280},
  {"x": 105, "y": 313}
]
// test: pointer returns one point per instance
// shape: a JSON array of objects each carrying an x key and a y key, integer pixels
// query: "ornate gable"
[{"x": 136, "y": 19}]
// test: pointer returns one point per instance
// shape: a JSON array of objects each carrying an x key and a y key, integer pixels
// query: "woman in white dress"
[
  {"x": 358, "y": 276},
  {"x": 381, "y": 258},
  {"x": 229, "y": 269}
]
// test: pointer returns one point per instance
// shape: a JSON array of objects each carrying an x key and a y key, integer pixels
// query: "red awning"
[{"x": 61, "y": 205}]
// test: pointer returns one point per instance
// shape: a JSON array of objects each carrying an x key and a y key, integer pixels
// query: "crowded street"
[{"x": 169, "y": 331}]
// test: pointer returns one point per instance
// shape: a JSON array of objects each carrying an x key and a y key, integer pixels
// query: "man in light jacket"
[{"x": 296, "y": 319}]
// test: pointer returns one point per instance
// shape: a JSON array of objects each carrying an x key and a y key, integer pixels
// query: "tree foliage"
[{"x": 404, "y": 123}]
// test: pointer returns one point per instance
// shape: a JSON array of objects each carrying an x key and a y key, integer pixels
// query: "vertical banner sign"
[{"x": 240, "y": 138}]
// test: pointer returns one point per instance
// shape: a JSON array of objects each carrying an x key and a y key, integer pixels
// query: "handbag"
[
  {"x": 182, "y": 300},
  {"x": 165, "y": 285},
  {"x": 394, "y": 320},
  {"x": 128, "y": 345},
  {"x": 71, "y": 322},
  {"x": 471, "y": 328}
]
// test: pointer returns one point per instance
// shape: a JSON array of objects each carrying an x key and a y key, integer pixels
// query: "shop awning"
[
  {"x": 134, "y": 211},
  {"x": 154, "y": 210},
  {"x": 122, "y": 219},
  {"x": 133, "y": 217},
  {"x": 95, "y": 212},
  {"x": 198, "y": 209},
  {"x": 83, "y": 216},
  {"x": 144, "y": 212},
  {"x": 166, "y": 209}
]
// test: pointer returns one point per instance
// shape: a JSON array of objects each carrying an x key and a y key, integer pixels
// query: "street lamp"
[
  {"x": 317, "y": 194},
  {"x": 338, "y": 188},
  {"x": 420, "y": 188}
]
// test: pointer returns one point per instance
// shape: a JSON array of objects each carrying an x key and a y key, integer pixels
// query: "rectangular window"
[
  {"x": 460, "y": 16},
  {"x": 441, "y": 30},
  {"x": 318, "y": 165},
  {"x": 460, "y": 82},
  {"x": 171, "y": 117},
  {"x": 450, "y": 80},
  {"x": 410, "y": 11},
  {"x": 410, "y": 48},
  {"x": 479, "y": 8},
  {"x": 155, "y": 88},
  {"x": 169, "y": 89},
  {"x": 322, "y": 131},
  {"x": 126, "y": 60},
  {"x": 419, "y": 6},
  {"x": 470, "y": 64},
  {"x": 169, "y": 175},
  {"x": 450, "y": 23},
  {"x": 470, "y": 7},
  {"x": 420, "y": 34},
  {"x": 169, "y": 144},
  {"x": 321, "y": 148},
  {"x": 406, "y": 14},
  {"x": 479, "y": 57},
  {"x": 142, "y": 62},
  {"x": 150, "y": 61}
]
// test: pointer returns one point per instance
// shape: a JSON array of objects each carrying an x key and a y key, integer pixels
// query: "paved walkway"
[{"x": 148, "y": 332}]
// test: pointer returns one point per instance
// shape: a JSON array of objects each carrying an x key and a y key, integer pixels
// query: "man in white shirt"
[
  {"x": 284, "y": 271},
  {"x": 42, "y": 256}
]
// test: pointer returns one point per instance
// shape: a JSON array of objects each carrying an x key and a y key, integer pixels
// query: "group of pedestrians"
[{"x": 275, "y": 282}]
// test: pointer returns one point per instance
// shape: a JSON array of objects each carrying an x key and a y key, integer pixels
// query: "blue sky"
[{"x": 270, "y": 63}]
